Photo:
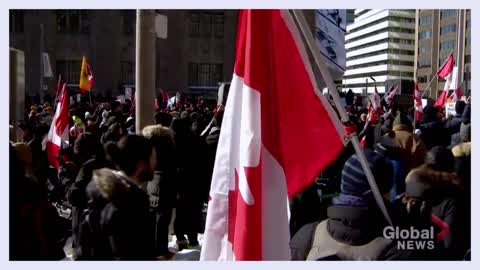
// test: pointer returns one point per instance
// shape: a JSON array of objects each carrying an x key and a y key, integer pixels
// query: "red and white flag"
[
  {"x": 447, "y": 67},
  {"x": 417, "y": 101},
  {"x": 457, "y": 94},
  {"x": 391, "y": 94},
  {"x": 278, "y": 133},
  {"x": 375, "y": 100},
  {"x": 58, "y": 132}
]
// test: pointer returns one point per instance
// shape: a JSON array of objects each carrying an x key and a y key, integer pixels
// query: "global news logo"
[{"x": 412, "y": 238}]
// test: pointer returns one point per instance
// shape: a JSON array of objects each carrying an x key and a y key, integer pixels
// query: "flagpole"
[
  {"x": 428, "y": 85},
  {"x": 307, "y": 34}
]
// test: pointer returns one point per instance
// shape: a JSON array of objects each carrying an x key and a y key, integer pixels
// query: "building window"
[
  {"x": 206, "y": 25},
  {"x": 467, "y": 59},
  {"x": 69, "y": 69},
  {"x": 128, "y": 22},
  {"x": 447, "y": 13},
  {"x": 447, "y": 45},
  {"x": 127, "y": 71},
  {"x": 425, "y": 34},
  {"x": 424, "y": 63},
  {"x": 203, "y": 74},
  {"x": 73, "y": 21},
  {"x": 448, "y": 29},
  {"x": 426, "y": 20},
  {"x": 423, "y": 79},
  {"x": 16, "y": 21},
  {"x": 194, "y": 23},
  {"x": 424, "y": 50},
  {"x": 218, "y": 25}
]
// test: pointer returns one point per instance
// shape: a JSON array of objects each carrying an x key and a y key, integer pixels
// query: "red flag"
[
  {"x": 417, "y": 101},
  {"x": 274, "y": 141},
  {"x": 164, "y": 96},
  {"x": 447, "y": 67},
  {"x": 58, "y": 133},
  {"x": 440, "y": 102}
]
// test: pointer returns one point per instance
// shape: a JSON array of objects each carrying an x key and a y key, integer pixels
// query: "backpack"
[{"x": 93, "y": 245}]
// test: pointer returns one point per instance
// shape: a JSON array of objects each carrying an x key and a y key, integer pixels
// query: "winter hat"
[
  {"x": 465, "y": 132},
  {"x": 355, "y": 189}
]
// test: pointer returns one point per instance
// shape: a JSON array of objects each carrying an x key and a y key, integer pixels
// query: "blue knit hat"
[{"x": 354, "y": 181}]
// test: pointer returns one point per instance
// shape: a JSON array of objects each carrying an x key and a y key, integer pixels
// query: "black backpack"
[{"x": 93, "y": 243}]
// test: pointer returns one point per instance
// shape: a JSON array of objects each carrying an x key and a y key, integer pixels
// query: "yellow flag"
[{"x": 85, "y": 76}]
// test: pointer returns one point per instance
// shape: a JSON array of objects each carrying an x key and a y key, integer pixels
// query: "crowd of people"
[{"x": 115, "y": 191}]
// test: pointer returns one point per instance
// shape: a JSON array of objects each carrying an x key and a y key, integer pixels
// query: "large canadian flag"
[
  {"x": 278, "y": 134},
  {"x": 58, "y": 132}
]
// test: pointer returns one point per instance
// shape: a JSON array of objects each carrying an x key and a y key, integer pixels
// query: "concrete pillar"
[{"x": 145, "y": 69}]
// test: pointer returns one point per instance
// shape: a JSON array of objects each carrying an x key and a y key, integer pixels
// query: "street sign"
[{"x": 161, "y": 26}]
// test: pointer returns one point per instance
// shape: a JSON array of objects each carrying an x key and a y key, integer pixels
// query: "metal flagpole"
[
  {"x": 320, "y": 61},
  {"x": 428, "y": 85}
]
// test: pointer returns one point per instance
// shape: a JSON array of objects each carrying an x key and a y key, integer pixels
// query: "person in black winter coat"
[
  {"x": 462, "y": 153},
  {"x": 35, "y": 227},
  {"x": 435, "y": 184},
  {"x": 162, "y": 189},
  {"x": 452, "y": 124},
  {"x": 118, "y": 224},
  {"x": 432, "y": 129},
  {"x": 91, "y": 156},
  {"x": 191, "y": 182},
  {"x": 353, "y": 230}
]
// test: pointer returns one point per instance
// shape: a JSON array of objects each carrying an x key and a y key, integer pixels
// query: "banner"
[
  {"x": 330, "y": 28},
  {"x": 450, "y": 109}
]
